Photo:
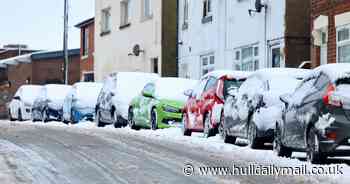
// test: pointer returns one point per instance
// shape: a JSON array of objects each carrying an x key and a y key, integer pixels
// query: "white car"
[
  {"x": 20, "y": 107},
  {"x": 81, "y": 101}
]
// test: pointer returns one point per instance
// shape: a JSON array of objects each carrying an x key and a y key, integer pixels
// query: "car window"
[
  {"x": 210, "y": 84},
  {"x": 322, "y": 82},
  {"x": 304, "y": 90},
  {"x": 198, "y": 90},
  {"x": 251, "y": 86}
]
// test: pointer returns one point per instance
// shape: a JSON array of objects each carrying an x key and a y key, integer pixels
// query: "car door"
[
  {"x": 106, "y": 104},
  {"x": 145, "y": 104},
  {"x": 67, "y": 106},
  {"x": 208, "y": 98},
  {"x": 296, "y": 114},
  {"x": 194, "y": 103}
]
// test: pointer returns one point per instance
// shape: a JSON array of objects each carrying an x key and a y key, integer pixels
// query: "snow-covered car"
[
  {"x": 81, "y": 101},
  {"x": 116, "y": 95},
  {"x": 160, "y": 103},
  {"x": 49, "y": 105},
  {"x": 254, "y": 110},
  {"x": 316, "y": 117},
  {"x": 20, "y": 107},
  {"x": 204, "y": 107}
]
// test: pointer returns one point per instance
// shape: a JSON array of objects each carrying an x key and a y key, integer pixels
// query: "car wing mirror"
[
  {"x": 285, "y": 98},
  {"x": 188, "y": 93},
  {"x": 17, "y": 98}
]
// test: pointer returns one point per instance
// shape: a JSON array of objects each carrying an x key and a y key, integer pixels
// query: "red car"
[{"x": 204, "y": 107}]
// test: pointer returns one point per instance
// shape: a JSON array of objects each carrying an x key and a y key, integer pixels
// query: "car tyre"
[
  {"x": 20, "y": 118},
  {"x": 221, "y": 128},
  {"x": 252, "y": 136},
  {"x": 154, "y": 119},
  {"x": 186, "y": 131},
  {"x": 99, "y": 123},
  {"x": 131, "y": 120},
  {"x": 278, "y": 147},
  {"x": 10, "y": 116},
  {"x": 116, "y": 122},
  {"x": 208, "y": 130},
  {"x": 314, "y": 155},
  {"x": 45, "y": 117}
]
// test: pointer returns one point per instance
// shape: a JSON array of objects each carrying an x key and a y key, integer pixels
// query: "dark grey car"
[{"x": 316, "y": 117}]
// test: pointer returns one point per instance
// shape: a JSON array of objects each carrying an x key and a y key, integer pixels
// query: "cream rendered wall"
[{"x": 112, "y": 50}]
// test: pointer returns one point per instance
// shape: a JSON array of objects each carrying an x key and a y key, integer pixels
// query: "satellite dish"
[
  {"x": 137, "y": 50},
  {"x": 258, "y": 6}
]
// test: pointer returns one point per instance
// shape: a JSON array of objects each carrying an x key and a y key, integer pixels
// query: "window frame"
[
  {"x": 209, "y": 66},
  {"x": 106, "y": 21},
  {"x": 125, "y": 14},
  {"x": 146, "y": 15},
  {"x": 250, "y": 63},
  {"x": 342, "y": 43},
  {"x": 85, "y": 46}
]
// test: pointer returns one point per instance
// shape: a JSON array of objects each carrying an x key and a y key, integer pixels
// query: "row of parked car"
[{"x": 294, "y": 109}]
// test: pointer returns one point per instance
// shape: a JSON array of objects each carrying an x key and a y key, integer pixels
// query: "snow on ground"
[{"x": 210, "y": 145}]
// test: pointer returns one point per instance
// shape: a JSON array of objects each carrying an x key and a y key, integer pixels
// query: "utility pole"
[{"x": 65, "y": 42}]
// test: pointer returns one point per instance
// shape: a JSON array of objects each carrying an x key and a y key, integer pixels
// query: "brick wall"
[
  {"x": 330, "y": 8},
  {"x": 87, "y": 62}
]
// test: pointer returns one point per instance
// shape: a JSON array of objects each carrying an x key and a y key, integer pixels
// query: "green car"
[{"x": 160, "y": 103}]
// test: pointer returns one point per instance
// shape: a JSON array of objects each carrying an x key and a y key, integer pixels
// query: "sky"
[{"x": 39, "y": 23}]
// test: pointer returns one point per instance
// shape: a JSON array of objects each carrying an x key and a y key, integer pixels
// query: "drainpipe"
[
  {"x": 177, "y": 37},
  {"x": 265, "y": 38}
]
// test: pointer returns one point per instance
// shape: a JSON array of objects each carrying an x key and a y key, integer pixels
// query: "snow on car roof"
[
  {"x": 57, "y": 91},
  {"x": 268, "y": 73},
  {"x": 231, "y": 73},
  {"x": 173, "y": 88},
  {"x": 335, "y": 71}
]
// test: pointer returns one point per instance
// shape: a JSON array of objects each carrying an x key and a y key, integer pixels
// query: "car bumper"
[
  {"x": 266, "y": 136},
  {"x": 336, "y": 146},
  {"x": 165, "y": 119},
  {"x": 80, "y": 114}
]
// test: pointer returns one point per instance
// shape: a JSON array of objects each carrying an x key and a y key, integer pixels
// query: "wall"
[
  {"x": 198, "y": 39},
  {"x": 87, "y": 62},
  {"x": 112, "y": 50},
  {"x": 329, "y": 8}
]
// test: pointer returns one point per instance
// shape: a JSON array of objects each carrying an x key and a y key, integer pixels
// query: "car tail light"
[
  {"x": 331, "y": 135},
  {"x": 330, "y": 99}
]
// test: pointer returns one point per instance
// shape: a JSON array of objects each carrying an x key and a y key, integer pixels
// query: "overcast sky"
[{"x": 39, "y": 23}]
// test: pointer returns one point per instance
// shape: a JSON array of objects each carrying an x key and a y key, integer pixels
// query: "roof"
[
  {"x": 53, "y": 54},
  {"x": 42, "y": 55},
  {"x": 335, "y": 71},
  {"x": 85, "y": 22},
  {"x": 268, "y": 73},
  {"x": 230, "y": 73}
]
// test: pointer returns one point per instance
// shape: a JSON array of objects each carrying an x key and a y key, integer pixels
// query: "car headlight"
[{"x": 171, "y": 109}]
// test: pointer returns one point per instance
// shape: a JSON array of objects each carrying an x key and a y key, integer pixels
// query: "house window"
[
  {"x": 208, "y": 63},
  {"x": 88, "y": 77},
  {"x": 125, "y": 13},
  {"x": 155, "y": 65},
  {"x": 276, "y": 57},
  {"x": 207, "y": 11},
  {"x": 343, "y": 44},
  {"x": 146, "y": 9},
  {"x": 324, "y": 48},
  {"x": 85, "y": 41},
  {"x": 247, "y": 58},
  {"x": 185, "y": 25},
  {"x": 106, "y": 21}
]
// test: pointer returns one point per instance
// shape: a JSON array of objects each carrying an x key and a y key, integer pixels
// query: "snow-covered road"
[{"x": 56, "y": 153}]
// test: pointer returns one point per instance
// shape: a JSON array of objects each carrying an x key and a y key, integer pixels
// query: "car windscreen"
[{"x": 232, "y": 84}]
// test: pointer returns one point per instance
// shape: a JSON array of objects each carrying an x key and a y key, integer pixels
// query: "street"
[{"x": 37, "y": 153}]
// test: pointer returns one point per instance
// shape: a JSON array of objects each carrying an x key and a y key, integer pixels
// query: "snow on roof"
[
  {"x": 268, "y": 73},
  {"x": 335, "y": 71},
  {"x": 15, "y": 60},
  {"x": 231, "y": 73}
]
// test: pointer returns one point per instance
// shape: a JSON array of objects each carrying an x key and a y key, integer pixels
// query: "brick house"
[
  {"x": 87, "y": 49},
  {"x": 330, "y": 20},
  {"x": 38, "y": 68}
]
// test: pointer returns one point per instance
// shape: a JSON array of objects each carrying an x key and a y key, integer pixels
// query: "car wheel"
[
  {"x": 314, "y": 155},
  {"x": 221, "y": 128},
  {"x": 208, "y": 130},
  {"x": 131, "y": 120},
  {"x": 20, "y": 118},
  {"x": 116, "y": 122},
  {"x": 252, "y": 136},
  {"x": 154, "y": 118},
  {"x": 99, "y": 123},
  {"x": 185, "y": 130},
  {"x": 278, "y": 147},
  {"x": 10, "y": 116},
  {"x": 45, "y": 116}
]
